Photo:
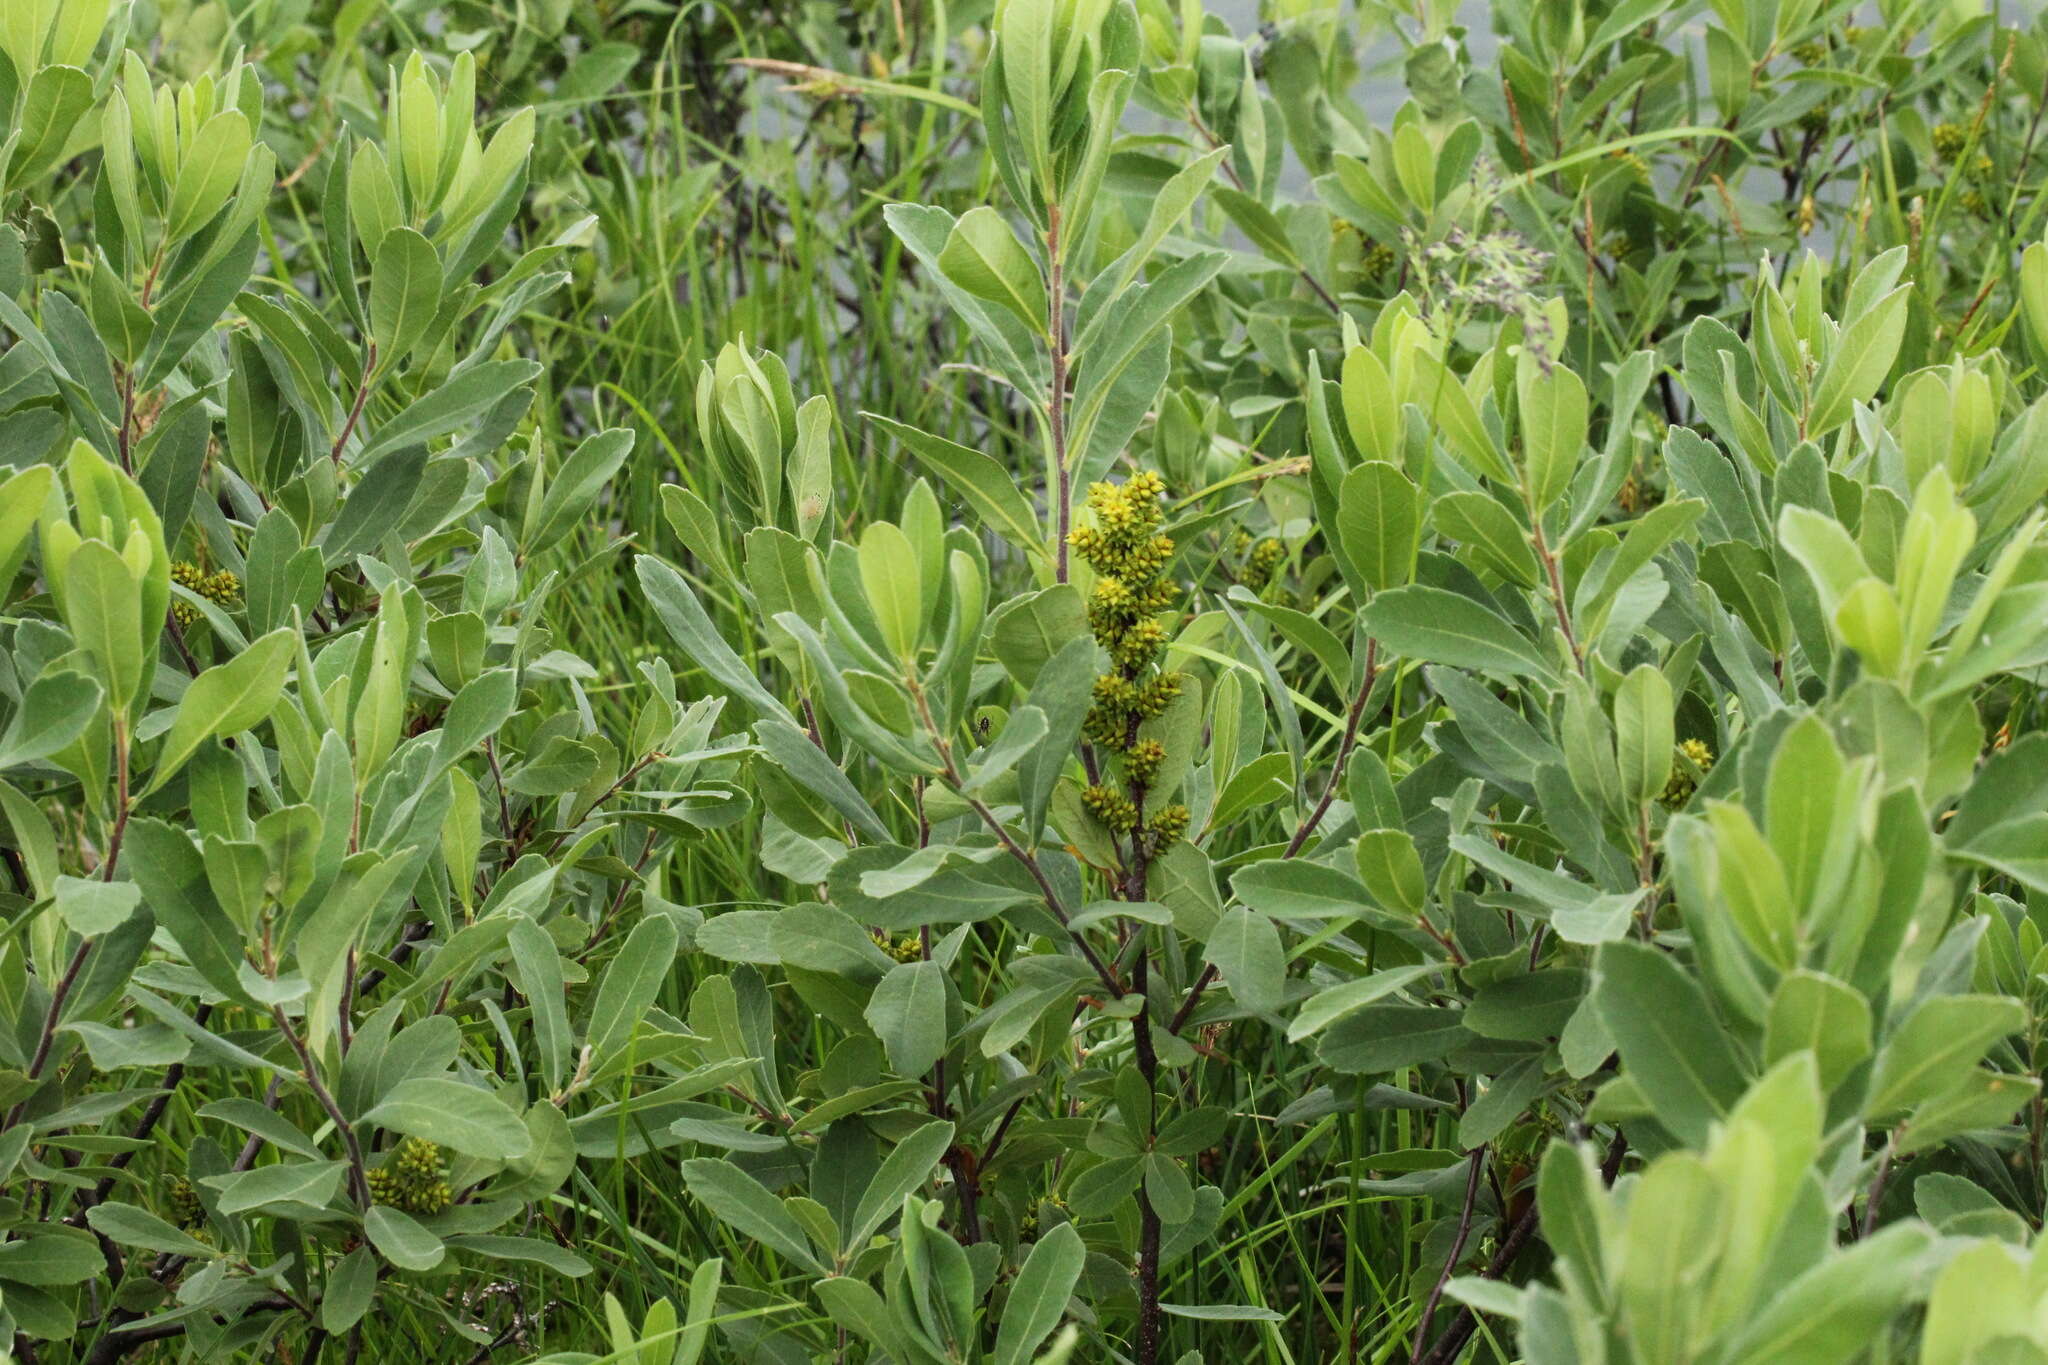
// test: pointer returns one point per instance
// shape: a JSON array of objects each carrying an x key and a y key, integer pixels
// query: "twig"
[
  {"x": 359, "y": 1178},
  {"x": 1344, "y": 748},
  {"x": 1877, "y": 1184},
  {"x": 1352, "y": 721},
  {"x": 355, "y": 412},
  {"x": 50, "y": 1018},
  {"x": 1466, "y": 1322},
  {"x": 1436, "y": 1291}
]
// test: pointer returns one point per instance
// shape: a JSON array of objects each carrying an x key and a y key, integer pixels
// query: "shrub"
[{"x": 1447, "y": 766}]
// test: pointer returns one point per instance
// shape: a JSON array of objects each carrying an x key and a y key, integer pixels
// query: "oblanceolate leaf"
[
  {"x": 227, "y": 699},
  {"x": 466, "y": 1118}
]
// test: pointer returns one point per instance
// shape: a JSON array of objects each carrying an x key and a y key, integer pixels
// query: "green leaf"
[
  {"x": 1222, "y": 1312},
  {"x": 1288, "y": 889},
  {"x": 563, "y": 765},
  {"x": 91, "y": 908},
  {"x": 1392, "y": 869},
  {"x": 983, "y": 256},
  {"x": 172, "y": 875},
  {"x": 1758, "y": 899},
  {"x": 134, "y": 1227},
  {"x": 1811, "y": 812},
  {"x": 1569, "y": 1200},
  {"x": 1940, "y": 1040},
  {"x": 1488, "y": 533},
  {"x": 1984, "y": 1099},
  {"x": 1268, "y": 234},
  {"x": 745, "y": 1204},
  {"x": 400, "y": 1239},
  {"x": 889, "y": 573},
  {"x": 226, "y": 700},
  {"x": 2017, "y": 848},
  {"x": 53, "y": 712},
  {"x": 987, "y": 485},
  {"x": 351, "y": 1287},
  {"x": 405, "y": 293},
  {"x": 103, "y": 605},
  {"x": 1816, "y": 1013},
  {"x": 1643, "y": 733},
  {"x": 908, "y": 1013},
  {"x": 1673, "y": 1232},
  {"x": 1370, "y": 412},
  {"x": 155, "y": 1046},
  {"x": 1024, "y": 38},
  {"x": 1022, "y": 735},
  {"x": 1327, "y": 1006},
  {"x": 57, "y": 98},
  {"x": 374, "y": 210},
  {"x": 1861, "y": 359},
  {"x": 1383, "y": 1038},
  {"x": 1553, "y": 406},
  {"x": 690, "y": 627},
  {"x": 1379, "y": 522},
  {"x": 1501, "y": 1101},
  {"x": 464, "y": 1118},
  {"x": 1672, "y": 1046},
  {"x": 904, "y": 1171},
  {"x": 49, "y": 1255},
  {"x": 1245, "y": 947},
  {"x": 810, "y": 768},
  {"x": 1529, "y": 1007},
  {"x": 467, "y": 394},
  {"x": 532, "y": 1250},
  {"x": 2033, "y": 281},
  {"x": 21, "y": 502},
  {"x": 1448, "y": 628},
  {"x": 208, "y": 173},
  {"x": 312, "y": 1183},
  {"x": 1431, "y": 386},
  {"x": 1030, "y": 629},
  {"x": 574, "y": 489},
  {"x": 1831, "y": 1314},
  {"x": 540, "y": 973},
  {"x": 1038, "y": 1300},
  {"x": 1979, "y": 1297},
  {"x": 858, "y": 1309},
  {"x": 1061, "y": 693}
]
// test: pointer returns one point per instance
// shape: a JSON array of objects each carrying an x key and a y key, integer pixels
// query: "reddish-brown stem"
[
  {"x": 355, "y": 412},
  {"x": 358, "y": 1172},
  {"x": 1556, "y": 582},
  {"x": 1436, "y": 1291}
]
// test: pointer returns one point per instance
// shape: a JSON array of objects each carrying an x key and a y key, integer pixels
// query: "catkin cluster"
[
  {"x": 1694, "y": 761},
  {"x": 414, "y": 1179},
  {"x": 186, "y": 1209},
  {"x": 1129, "y": 554},
  {"x": 219, "y": 587}
]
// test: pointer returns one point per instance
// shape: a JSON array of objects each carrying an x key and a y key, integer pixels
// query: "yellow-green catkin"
[
  {"x": 186, "y": 1210},
  {"x": 1125, "y": 547},
  {"x": 1028, "y": 1226},
  {"x": 906, "y": 949},
  {"x": 220, "y": 587},
  {"x": 414, "y": 1178},
  {"x": 1694, "y": 761},
  {"x": 1261, "y": 561}
]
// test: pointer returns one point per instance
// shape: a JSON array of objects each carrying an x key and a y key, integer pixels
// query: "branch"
[
  {"x": 1460, "y": 1331},
  {"x": 1436, "y": 1291},
  {"x": 1352, "y": 721}
]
